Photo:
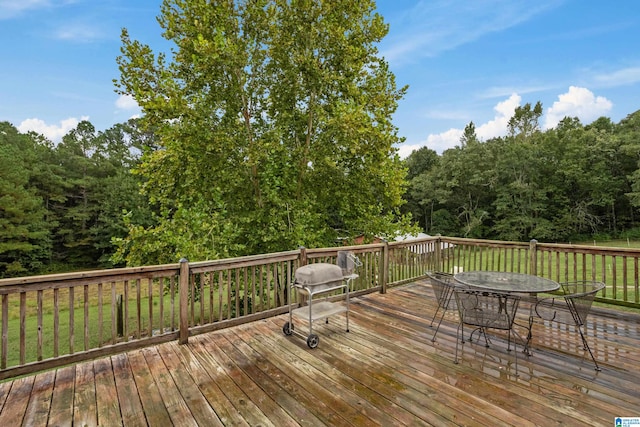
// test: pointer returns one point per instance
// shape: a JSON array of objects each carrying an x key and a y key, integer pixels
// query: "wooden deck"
[{"x": 386, "y": 371}]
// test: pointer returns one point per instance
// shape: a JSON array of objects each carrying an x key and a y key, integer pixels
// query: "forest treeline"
[
  {"x": 61, "y": 205},
  {"x": 569, "y": 183},
  {"x": 64, "y": 207}
]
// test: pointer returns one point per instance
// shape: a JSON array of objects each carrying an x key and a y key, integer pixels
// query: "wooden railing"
[
  {"x": 616, "y": 267},
  {"x": 53, "y": 320}
]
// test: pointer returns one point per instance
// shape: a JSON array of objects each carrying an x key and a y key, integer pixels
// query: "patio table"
[
  {"x": 500, "y": 281},
  {"x": 507, "y": 283}
]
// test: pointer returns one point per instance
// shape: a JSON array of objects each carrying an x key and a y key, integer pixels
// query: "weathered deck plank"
[
  {"x": 234, "y": 383},
  {"x": 385, "y": 371},
  {"x": 352, "y": 399},
  {"x": 17, "y": 401},
  {"x": 269, "y": 380},
  {"x": 40, "y": 401},
  {"x": 155, "y": 411},
  {"x": 202, "y": 412},
  {"x": 61, "y": 413},
  {"x": 171, "y": 397},
  {"x": 203, "y": 376},
  {"x": 85, "y": 409},
  {"x": 131, "y": 409},
  {"x": 486, "y": 388},
  {"x": 108, "y": 406}
]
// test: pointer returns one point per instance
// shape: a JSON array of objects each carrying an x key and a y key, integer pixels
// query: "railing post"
[
  {"x": 302, "y": 298},
  {"x": 303, "y": 256},
  {"x": 384, "y": 268},
  {"x": 533, "y": 257},
  {"x": 439, "y": 266},
  {"x": 184, "y": 301}
]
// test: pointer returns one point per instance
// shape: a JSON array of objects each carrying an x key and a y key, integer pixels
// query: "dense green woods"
[
  {"x": 269, "y": 126},
  {"x": 78, "y": 204},
  {"x": 61, "y": 205},
  {"x": 567, "y": 183}
]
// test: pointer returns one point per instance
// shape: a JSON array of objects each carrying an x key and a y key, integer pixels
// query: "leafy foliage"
[
  {"x": 60, "y": 206},
  {"x": 24, "y": 239},
  {"x": 275, "y": 126},
  {"x": 552, "y": 185},
  {"x": 267, "y": 127}
]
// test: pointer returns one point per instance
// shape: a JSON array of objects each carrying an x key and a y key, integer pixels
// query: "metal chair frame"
[
  {"x": 571, "y": 307},
  {"x": 443, "y": 285},
  {"x": 486, "y": 310}
]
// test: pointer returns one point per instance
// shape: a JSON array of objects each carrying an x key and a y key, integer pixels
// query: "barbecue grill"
[{"x": 314, "y": 281}]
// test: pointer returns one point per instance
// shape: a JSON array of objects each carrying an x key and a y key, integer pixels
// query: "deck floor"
[{"x": 386, "y": 371}]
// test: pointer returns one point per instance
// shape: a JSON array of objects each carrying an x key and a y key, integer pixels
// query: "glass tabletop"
[{"x": 506, "y": 282}]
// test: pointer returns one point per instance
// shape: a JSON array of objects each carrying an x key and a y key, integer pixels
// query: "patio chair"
[
  {"x": 443, "y": 285},
  {"x": 571, "y": 307},
  {"x": 486, "y": 310}
]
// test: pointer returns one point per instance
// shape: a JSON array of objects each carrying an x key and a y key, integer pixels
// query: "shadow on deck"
[{"x": 385, "y": 371}]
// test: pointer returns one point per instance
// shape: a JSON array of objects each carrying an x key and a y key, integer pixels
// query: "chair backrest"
[
  {"x": 443, "y": 285},
  {"x": 486, "y": 309},
  {"x": 579, "y": 297}
]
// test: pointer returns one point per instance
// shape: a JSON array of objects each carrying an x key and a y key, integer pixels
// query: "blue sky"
[{"x": 464, "y": 60}]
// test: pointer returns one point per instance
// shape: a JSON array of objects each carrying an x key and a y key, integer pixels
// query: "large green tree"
[
  {"x": 420, "y": 194},
  {"x": 100, "y": 194},
  {"x": 274, "y": 118},
  {"x": 24, "y": 233}
]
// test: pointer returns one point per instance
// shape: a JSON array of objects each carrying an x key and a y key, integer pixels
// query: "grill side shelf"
[{"x": 319, "y": 310}]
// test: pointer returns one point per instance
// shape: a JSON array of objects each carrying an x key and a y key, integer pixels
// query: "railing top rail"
[
  {"x": 245, "y": 261},
  {"x": 567, "y": 247},
  {"x": 98, "y": 275},
  {"x": 334, "y": 250},
  {"x": 413, "y": 242},
  {"x": 482, "y": 242}
]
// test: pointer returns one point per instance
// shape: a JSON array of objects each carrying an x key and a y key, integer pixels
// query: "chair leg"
[
  {"x": 480, "y": 331},
  {"x": 527, "y": 349},
  {"x": 460, "y": 326},
  {"x": 433, "y": 339},
  {"x": 586, "y": 347},
  {"x": 487, "y": 340},
  {"x": 434, "y": 315},
  {"x": 522, "y": 340},
  {"x": 515, "y": 348}
]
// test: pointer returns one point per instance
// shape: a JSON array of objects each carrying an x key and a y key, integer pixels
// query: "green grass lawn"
[
  {"x": 612, "y": 243},
  {"x": 213, "y": 307}
]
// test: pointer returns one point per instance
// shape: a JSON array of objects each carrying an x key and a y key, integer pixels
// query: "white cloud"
[
  {"x": 406, "y": 149},
  {"x": 437, "y": 142},
  {"x": 82, "y": 33},
  {"x": 445, "y": 140},
  {"x": 450, "y": 138},
  {"x": 51, "y": 132},
  {"x": 13, "y": 8},
  {"x": 499, "y": 124},
  {"x": 577, "y": 102},
  {"x": 126, "y": 102},
  {"x": 623, "y": 77},
  {"x": 432, "y": 27}
]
